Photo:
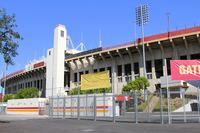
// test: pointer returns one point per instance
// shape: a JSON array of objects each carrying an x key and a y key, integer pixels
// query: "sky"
[{"x": 85, "y": 19}]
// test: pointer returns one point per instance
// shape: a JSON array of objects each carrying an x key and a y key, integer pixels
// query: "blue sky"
[{"x": 36, "y": 20}]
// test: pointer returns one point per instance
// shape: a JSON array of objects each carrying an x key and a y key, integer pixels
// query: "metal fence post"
[
  {"x": 71, "y": 106},
  {"x": 78, "y": 115},
  {"x": 64, "y": 107},
  {"x": 124, "y": 105},
  {"x": 86, "y": 104},
  {"x": 49, "y": 107},
  {"x": 161, "y": 107},
  {"x": 136, "y": 107},
  {"x": 52, "y": 107},
  {"x": 95, "y": 108},
  {"x": 183, "y": 96},
  {"x": 168, "y": 106},
  {"x": 198, "y": 94},
  {"x": 148, "y": 105},
  {"x": 57, "y": 107},
  {"x": 113, "y": 99},
  {"x": 104, "y": 105}
]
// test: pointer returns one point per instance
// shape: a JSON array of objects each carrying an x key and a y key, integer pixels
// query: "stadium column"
[
  {"x": 123, "y": 73},
  {"x": 55, "y": 63},
  {"x": 71, "y": 74},
  {"x": 174, "y": 49},
  {"x": 141, "y": 65},
  {"x": 131, "y": 62},
  {"x": 76, "y": 71},
  {"x": 114, "y": 79},
  {"x": 153, "y": 69},
  {"x": 186, "y": 47},
  {"x": 164, "y": 67},
  {"x": 152, "y": 61},
  {"x": 60, "y": 35},
  {"x": 132, "y": 70},
  {"x": 162, "y": 56},
  {"x": 89, "y": 64}
]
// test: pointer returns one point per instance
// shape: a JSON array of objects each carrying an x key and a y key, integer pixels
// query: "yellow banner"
[{"x": 95, "y": 80}]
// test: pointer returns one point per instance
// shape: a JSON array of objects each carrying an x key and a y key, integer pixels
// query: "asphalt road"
[{"x": 15, "y": 124}]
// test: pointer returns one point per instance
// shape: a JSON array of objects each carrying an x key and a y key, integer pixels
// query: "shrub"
[
  {"x": 8, "y": 97},
  {"x": 27, "y": 93}
]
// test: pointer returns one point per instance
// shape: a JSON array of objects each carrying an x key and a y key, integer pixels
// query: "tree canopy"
[
  {"x": 138, "y": 84},
  {"x": 9, "y": 38}
]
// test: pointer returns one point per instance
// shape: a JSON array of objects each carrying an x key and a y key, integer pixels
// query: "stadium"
[{"x": 61, "y": 69}]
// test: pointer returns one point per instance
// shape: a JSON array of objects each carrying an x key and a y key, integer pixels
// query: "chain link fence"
[{"x": 163, "y": 107}]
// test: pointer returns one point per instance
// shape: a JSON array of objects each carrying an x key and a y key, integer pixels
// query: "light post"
[{"x": 142, "y": 17}]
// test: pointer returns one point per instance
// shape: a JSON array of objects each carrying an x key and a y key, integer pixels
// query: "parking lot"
[{"x": 34, "y": 124}]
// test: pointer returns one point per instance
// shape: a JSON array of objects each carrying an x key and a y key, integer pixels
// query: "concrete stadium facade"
[{"x": 61, "y": 69}]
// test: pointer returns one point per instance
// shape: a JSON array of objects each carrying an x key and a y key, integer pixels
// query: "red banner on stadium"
[{"x": 185, "y": 69}]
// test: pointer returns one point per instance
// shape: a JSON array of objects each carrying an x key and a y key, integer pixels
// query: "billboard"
[
  {"x": 185, "y": 69},
  {"x": 95, "y": 80}
]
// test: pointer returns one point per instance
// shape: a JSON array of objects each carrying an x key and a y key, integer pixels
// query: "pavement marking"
[{"x": 87, "y": 130}]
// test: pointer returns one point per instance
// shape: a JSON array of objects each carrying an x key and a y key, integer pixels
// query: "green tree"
[
  {"x": 27, "y": 93},
  {"x": 8, "y": 97},
  {"x": 138, "y": 84},
  {"x": 9, "y": 38}
]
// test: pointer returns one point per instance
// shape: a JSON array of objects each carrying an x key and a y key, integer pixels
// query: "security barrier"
[
  {"x": 82, "y": 106},
  {"x": 165, "y": 107}
]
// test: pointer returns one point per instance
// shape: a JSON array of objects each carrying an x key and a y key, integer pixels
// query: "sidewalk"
[{"x": 14, "y": 117}]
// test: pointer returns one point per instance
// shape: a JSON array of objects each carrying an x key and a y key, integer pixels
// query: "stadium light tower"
[{"x": 142, "y": 18}]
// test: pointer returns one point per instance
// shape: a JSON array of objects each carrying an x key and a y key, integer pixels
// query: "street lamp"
[{"x": 142, "y": 18}]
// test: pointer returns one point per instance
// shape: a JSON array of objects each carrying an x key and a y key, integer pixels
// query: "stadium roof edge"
[{"x": 148, "y": 39}]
